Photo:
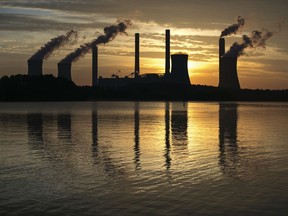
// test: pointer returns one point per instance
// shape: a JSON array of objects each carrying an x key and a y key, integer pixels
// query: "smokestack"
[
  {"x": 64, "y": 70},
  {"x": 228, "y": 73},
  {"x": 180, "y": 69},
  {"x": 221, "y": 47},
  {"x": 35, "y": 67},
  {"x": 167, "y": 52},
  {"x": 221, "y": 53},
  {"x": 94, "y": 66},
  {"x": 137, "y": 56}
]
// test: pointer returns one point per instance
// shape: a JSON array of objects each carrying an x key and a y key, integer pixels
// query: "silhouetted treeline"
[
  {"x": 37, "y": 88},
  {"x": 49, "y": 88}
]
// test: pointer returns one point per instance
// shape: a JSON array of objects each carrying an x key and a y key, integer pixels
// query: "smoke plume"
[
  {"x": 257, "y": 39},
  {"x": 233, "y": 29},
  {"x": 109, "y": 34},
  {"x": 45, "y": 51}
]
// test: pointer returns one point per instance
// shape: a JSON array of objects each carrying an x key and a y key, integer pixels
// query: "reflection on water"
[
  {"x": 179, "y": 125},
  {"x": 228, "y": 147},
  {"x": 136, "y": 137},
  {"x": 95, "y": 134},
  {"x": 35, "y": 128},
  {"x": 123, "y": 158},
  {"x": 64, "y": 126},
  {"x": 167, "y": 136}
]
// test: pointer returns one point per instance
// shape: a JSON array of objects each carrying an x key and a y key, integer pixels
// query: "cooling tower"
[
  {"x": 179, "y": 71},
  {"x": 137, "y": 56},
  {"x": 228, "y": 73},
  {"x": 35, "y": 67},
  {"x": 167, "y": 52},
  {"x": 95, "y": 66},
  {"x": 64, "y": 70}
]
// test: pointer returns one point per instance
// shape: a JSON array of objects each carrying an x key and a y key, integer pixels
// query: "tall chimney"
[
  {"x": 137, "y": 57},
  {"x": 179, "y": 71},
  {"x": 221, "y": 53},
  {"x": 64, "y": 70},
  {"x": 35, "y": 67},
  {"x": 221, "y": 47},
  {"x": 94, "y": 66},
  {"x": 228, "y": 73},
  {"x": 167, "y": 52}
]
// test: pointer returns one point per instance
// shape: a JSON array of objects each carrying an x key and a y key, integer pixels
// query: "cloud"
[{"x": 203, "y": 14}]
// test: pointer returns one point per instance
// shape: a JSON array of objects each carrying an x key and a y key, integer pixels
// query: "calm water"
[{"x": 143, "y": 158}]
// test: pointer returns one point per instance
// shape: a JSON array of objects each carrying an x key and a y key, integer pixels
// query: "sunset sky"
[{"x": 195, "y": 29}]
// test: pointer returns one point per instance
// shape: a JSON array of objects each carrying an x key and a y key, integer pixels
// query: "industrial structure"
[
  {"x": 64, "y": 70},
  {"x": 167, "y": 52},
  {"x": 178, "y": 75},
  {"x": 35, "y": 67},
  {"x": 94, "y": 66},
  {"x": 228, "y": 77}
]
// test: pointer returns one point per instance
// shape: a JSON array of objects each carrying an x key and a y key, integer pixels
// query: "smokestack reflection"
[
  {"x": 228, "y": 119},
  {"x": 137, "y": 152},
  {"x": 179, "y": 124},
  {"x": 95, "y": 134},
  {"x": 101, "y": 153},
  {"x": 35, "y": 128},
  {"x": 64, "y": 126},
  {"x": 167, "y": 136}
]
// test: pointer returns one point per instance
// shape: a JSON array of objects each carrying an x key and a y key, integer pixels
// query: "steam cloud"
[
  {"x": 233, "y": 29},
  {"x": 109, "y": 34},
  {"x": 45, "y": 51},
  {"x": 257, "y": 39}
]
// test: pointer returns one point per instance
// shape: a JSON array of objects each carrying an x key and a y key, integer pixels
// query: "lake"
[{"x": 144, "y": 158}]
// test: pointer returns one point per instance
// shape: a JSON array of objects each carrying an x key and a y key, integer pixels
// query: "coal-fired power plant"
[
  {"x": 64, "y": 70},
  {"x": 228, "y": 77},
  {"x": 35, "y": 67},
  {"x": 176, "y": 70}
]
